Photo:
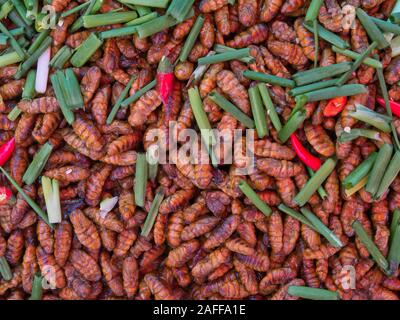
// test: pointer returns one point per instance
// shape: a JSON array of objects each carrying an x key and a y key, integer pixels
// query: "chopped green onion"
[
  {"x": 5, "y": 270},
  {"x": 219, "y": 48},
  {"x": 301, "y": 101},
  {"x": 133, "y": 98},
  {"x": 37, "y": 289},
  {"x": 327, "y": 35},
  {"x": 370, "y": 246},
  {"x": 141, "y": 174},
  {"x": 386, "y": 26},
  {"x": 178, "y": 9},
  {"x": 317, "y": 74},
  {"x": 254, "y": 198},
  {"x": 353, "y": 134},
  {"x": 9, "y": 58},
  {"x": 343, "y": 79},
  {"x": 312, "y": 87},
  {"x": 395, "y": 17},
  {"x": 313, "y": 293},
  {"x": 147, "y": 3},
  {"x": 321, "y": 191},
  {"x": 322, "y": 229},
  {"x": 395, "y": 223},
  {"x": 142, "y": 10},
  {"x": 142, "y": 19},
  {"x": 226, "y": 105},
  {"x": 14, "y": 113},
  {"x": 316, "y": 42},
  {"x": 5, "y": 9},
  {"x": 29, "y": 88},
  {"x": 118, "y": 32},
  {"x": 395, "y": 46},
  {"x": 28, "y": 64},
  {"x": 93, "y": 7},
  {"x": 313, "y": 10},
  {"x": 20, "y": 8},
  {"x": 296, "y": 215},
  {"x": 104, "y": 19},
  {"x": 191, "y": 38},
  {"x": 74, "y": 100},
  {"x": 151, "y": 216},
  {"x": 315, "y": 181},
  {"x": 294, "y": 122},
  {"x": 32, "y": 204},
  {"x": 333, "y": 92},
  {"x": 268, "y": 78},
  {"x": 153, "y": 164},
  {"x": 14, "y": 32},
  {"x": 51, "y": 192},
  {"x": 394, "y": 251},
  {"x": 68, "y": 114},
  {"x": 354, "y": 55},
  {"x": 258, "y": 112},
  {"x": 76, "y": 9},
  {"x": 86, "y": 50},
  {"x": 271, "y": 112},
  {"x": 227, "y": 56},
  {"x": 14, "y": 43},
  {"x": 391, "y": 172},
  {"x": 61, "y": 57},
  {"x": 38, "y": 41},
  {"x": 360, "y": 172},
  {"x": 371, "y": 117},
  {"x": 379, "y": 167},
  {"x": 121, "y": 98},
  {"x": 372, "y": 30},
  {"x": 37, "y": 164},
  {"x": 357, "y": 187}
]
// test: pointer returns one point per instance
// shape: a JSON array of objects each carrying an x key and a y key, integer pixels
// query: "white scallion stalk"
[
  {"x": 395, "y": 46},
  {"x": 42, "y": 73},
  {"x": 107, "y": 205},
  {"x": 199, "y": 71},
  {"x": 51, "y": 192}
]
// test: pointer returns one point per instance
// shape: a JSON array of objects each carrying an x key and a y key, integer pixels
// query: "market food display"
[{"x": 212, "y": 149}]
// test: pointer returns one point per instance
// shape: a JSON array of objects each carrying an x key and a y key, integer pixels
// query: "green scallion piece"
[
  {"x": 133, "y": 98},
  {"x": 313, "y": 293},
  {"x": 271, "y": 112},
  {"x": 68, "y": 114},
  {"x": 29, "y": 88},
  {"x": 395, "y": 222},
  {"x": 395, "y": 17},
  {"x": 191, "y": 38},
  {"x": 219, "y": 48},
  {"x": 316, "y": 42},
  {"x": 313, "y": 10},
  {"x": 294, "y": 122},
  {"x": 14, "y": 113},
  {"x": 5, "y": 9},
  {"x": 61, "y": 57},
  {"x": 86, "y": 50},
  {"x": 296, "y": 215},
  {"x": 320, "y": 73},
  {"x": 147, "y": 3},
  {"x": 29, "y": 63},
  {"x": 14, "y": 43},
  {"x": 315, "y": 181},
  {"x": 333, "y": 92},
  {"x": 51, "y": 192},
  {"x": 37, "y": 289},
  {"x": 372, "y": 30},
  {"x": 321, "y": 228},
  {"x": 119, "y": 32},
  {"x": 386, "y": 26},
  {"x": 152, "y": 161},
  {"x": 76, "y": 9},
  {"x": 9, "y": 58},
  {"x": 343, "y": 79},
  {"x": 94, "y": 7},
  {"x": 226, "y": 105},
  {"x": 391, "y": 173},
  {"x": 268, "y": 78},
  {"x": 354, "y": 55},
  {"x": 379, "y": 167},
  {"x": 301, "y": 101},
  {"x": 37, "y": 164},
  {"x": 14, "y": 32},
  {"x": 20, "y": 8},
  {"x": 120, "y": 99},
  {"x": 360, "y": 172},
  {"x": 38, "y": 41},
  {"x": 371, "y": 117},
  {"x": 141, "y": 175},
  {"x": 74, "y": 100},
  {"x": 151, "y": 216},
  {"x": 178, "y": 9},
  {"x": 31, "y": 203},
  {"x": 227, "y": 56},
  {"x": 321, "y": 191},
  {"x": 355, "y": 133},
  {"x": 394, "y": 251},
  {"x": 254, "y": 198},
  {"x": 142, "y": 10},
  {"x": 258, "y": 112},
  {"x": 312, "y": 87},
  {"x": 370, "y": 246},
  {"x": 5, "y": 270},
  {"x": 142, "y": 19},
  {"x": 327, "y": 35},
  {"x": 104, "y": 19}
]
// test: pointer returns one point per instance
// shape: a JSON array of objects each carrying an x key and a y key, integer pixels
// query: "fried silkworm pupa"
[
  {"x": 29, "y": 267},
  {"x": 18, "y": 164},
  {"x": 111, "y": 275},
  {"x": 68, "y": 173},
  {"x": 39, "y": 105},
  {"x": 142, "y": 108},
  {"x": 95, "y": 184},
  {"x": 85, "y": 265},
  {"x": 199, "y": 227},
  {"x": 175, "y": 227},
  {"x": 176, "y": 201},
  {"x": 88, "y": 132},
  {"x": 109, "y": 221},
  {"x": 15, "y": 247},
  {"x": 180, "y": 255},
  {"x": 90, "y": 83},
  {"x": 253, "y": 35},
  {"x": 229, "y": 84},
  {"x": 222, "y": 233},
  {"x": 159, "y": 288},
  {"x": 62, "y": 242},
  {"x": 212, "y": 261},
  {"x": 49, "y": 268},
  {"x": 85, "y": 230},
  {"x": 12, "y": 89},
  {"x": 125, "y": 240},
  {"x": 279, "y": 168},
  {"x": 130, "y": 276},
  {"x": 45, "y": 236}
]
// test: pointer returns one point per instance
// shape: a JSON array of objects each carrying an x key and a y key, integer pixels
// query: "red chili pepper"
[
  {"x": 394, "y": 106},
  {"x": 5, "y": 195},
  {"x": 334, "y": 106},
  {"x": 6, "y": 150},
  {"x": 306, "y": 157},
  {"x": 165, "y": 79}
]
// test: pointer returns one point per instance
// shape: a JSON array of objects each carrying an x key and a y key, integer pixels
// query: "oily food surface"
[{"x": 209, "y": 239}]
